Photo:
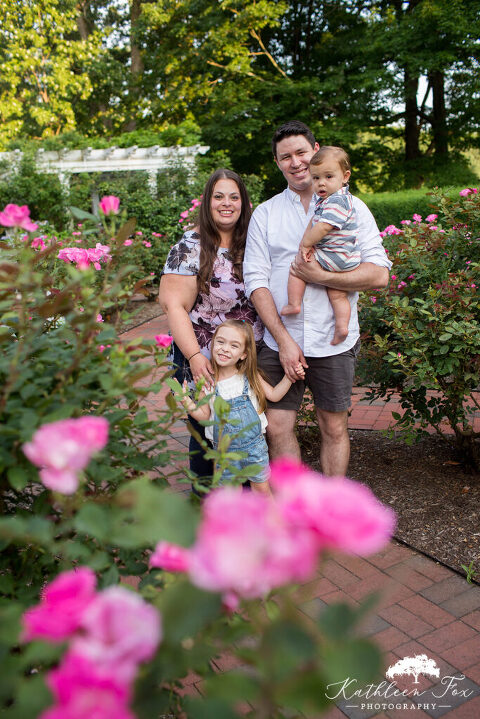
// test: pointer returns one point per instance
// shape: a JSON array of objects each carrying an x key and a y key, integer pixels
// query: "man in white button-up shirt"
[{"x": 275, "y": 231}]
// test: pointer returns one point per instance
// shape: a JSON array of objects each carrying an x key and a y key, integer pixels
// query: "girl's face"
[
  {"x": 226, "y": 204},
  {"x": 228, "y": 347}
]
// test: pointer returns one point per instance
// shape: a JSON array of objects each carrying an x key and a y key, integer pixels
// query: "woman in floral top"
[{"x": 202, "y": 284}]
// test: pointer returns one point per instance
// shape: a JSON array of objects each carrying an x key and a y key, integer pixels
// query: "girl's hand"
[
  {"x": 200, "y": 367},
  {"x": 300, "y": 371},
  {"x": 186, "y": 400},
  {"x": 305, "y": 252}
]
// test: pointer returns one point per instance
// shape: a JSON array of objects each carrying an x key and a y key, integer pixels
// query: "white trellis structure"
[{"x": 65, "y": 163}]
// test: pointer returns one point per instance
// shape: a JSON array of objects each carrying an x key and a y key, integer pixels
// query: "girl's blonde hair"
[{"x": 247, "y": 366}]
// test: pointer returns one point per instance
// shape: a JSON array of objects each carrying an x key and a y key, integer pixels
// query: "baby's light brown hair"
[{"x": 338, "y": 152}]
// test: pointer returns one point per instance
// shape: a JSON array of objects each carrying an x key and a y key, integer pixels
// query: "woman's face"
[{"x": 226, "y": 204}]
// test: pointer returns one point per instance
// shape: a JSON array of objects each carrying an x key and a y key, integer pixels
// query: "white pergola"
[{"x": 65, "y": 163}]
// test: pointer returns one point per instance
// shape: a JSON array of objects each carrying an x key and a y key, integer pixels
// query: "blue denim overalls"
[{"x": 250, "y": 441}]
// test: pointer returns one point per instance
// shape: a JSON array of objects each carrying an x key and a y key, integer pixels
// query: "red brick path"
[{"x": 424, "y": 607}]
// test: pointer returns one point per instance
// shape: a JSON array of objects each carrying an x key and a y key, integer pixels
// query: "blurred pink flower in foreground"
[
  {"x": 170, "y": 557},
  {"x": 110, "y": 633},
  {"x": 60, "y": 611},
  {"x": 16, "y": 216},
  {"x": 344, "y": 515},
  {"x": 247, "y": 545},
  {"x": 109, "y": 205},
  {"x": 63, "y": 449},
  {"x": 163, "y": 340},
  {"x": 464, "y": 193},
  {"x": 120, "y": 630},
  {"x": 82, "y": 691}
]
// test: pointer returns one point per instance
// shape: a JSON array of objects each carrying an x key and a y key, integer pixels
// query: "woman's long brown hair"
[
  {"x": 247, "y": 366},
  {"x": 209, "y": 235}
]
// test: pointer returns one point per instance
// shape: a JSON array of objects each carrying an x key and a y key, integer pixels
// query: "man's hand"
[
  {"x": 291, "y": 356},
  {"x": 303, "y": 268}
]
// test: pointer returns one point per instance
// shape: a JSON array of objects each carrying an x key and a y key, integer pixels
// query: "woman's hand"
[{"x": 200, "y": 367}]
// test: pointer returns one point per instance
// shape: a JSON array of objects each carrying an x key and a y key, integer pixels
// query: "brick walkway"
[{"x": 424, "y": 607}]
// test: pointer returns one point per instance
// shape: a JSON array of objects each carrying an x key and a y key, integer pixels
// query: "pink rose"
[
  {"x": 244, "y": 548},
  {"x": 163, "y": 340},
  {"x": 60, "y": 611},
  {"x": 109, "y": 205},
  {"x": 417, "y": 218},
  {"x": 120, "y": 630},
  {"x": 62, "y": 449},
  {"x": 431, "y": 218},
  {"x": 343, "y": 514},
  {"x": 15, "y": 216},
  {"x": 127, "y": 243},
  {"x": 147, "y": 244},
  {"x": 463, "y": 193},
  {"x": 82, "y": 691},
  {"x": 170, "y": 557}
]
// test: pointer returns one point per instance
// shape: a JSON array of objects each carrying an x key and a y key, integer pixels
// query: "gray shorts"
[{"x": 330, "y": 379}]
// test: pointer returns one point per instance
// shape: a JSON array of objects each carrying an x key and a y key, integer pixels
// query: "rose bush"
[
  {"x": 84, "y": 476},
  {"x": 422, "y": 336}
]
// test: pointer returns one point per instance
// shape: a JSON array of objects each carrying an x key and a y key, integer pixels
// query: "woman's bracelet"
[{"x": 195, "y": 353}]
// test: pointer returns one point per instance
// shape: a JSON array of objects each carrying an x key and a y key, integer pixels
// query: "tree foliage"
[{"x": 395, "y": 82}]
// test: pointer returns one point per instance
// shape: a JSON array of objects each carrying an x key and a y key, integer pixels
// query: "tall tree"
[{"x": 44, "y": 62}]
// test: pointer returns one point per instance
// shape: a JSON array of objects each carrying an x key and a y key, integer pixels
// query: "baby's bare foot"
[{"x": 340, "y": 334}]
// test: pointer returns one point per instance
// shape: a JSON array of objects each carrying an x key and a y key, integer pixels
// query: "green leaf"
[
  {"x": 17, "y": 477},
  {"x": 82, "y": 215},
  {"x": 94, "y": 520},
  {"x": 186, "y": 610},
  {"x": 209, "y": 708},
  {"x": 358, "y": 659},
  {"x": 337, "y": 621}
]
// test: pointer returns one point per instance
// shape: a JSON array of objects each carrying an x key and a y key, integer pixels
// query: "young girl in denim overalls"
[{"x": 238, "y": 382}]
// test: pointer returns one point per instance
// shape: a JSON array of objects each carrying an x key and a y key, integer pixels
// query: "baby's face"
[{"x": 328, "y": 177}]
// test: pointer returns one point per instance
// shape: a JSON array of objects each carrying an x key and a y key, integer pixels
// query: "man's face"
[{"x": 293, "y": 157}]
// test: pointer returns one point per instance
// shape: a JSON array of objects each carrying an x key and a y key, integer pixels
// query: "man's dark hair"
[{"x": 292, "y": 127}]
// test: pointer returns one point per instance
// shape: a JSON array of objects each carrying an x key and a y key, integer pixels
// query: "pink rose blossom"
[
  {"x": 243, "y": 546},
  {"x": 109, "y": 205},
  {"x": 82, "y": 691},
  {"x": 99, "y": 318},
  {"x": 417, "y": 218},
  {"x": 16, "y": 216},
  {"x": 401, "y": 284},
  {"x": 120, "y": 630},
  {"x": 38, "y": 242},
  {"x": 63, "y": 449},
  {"x": 394, "y": 277},
  {"x": 405, "y": 222},
  {"x": 433, "y": 227},
  {"x": 184, "y": 214},
  {"x": 139, "y": 232},
  {"x": 343, "y": 514},
  {"x": 147, "y": 244},
  {"x": 392, "y": 230},
  {"x": 127, "y": 243},
  {"x": 170, "y": 557},
  {"x": 62, "y": 606},
  {"x": 163, "y": 340},
  {"x": 464, "y": 193},
  {"x": 431, "y": 218},
  {"x": 373, "y": 299}
]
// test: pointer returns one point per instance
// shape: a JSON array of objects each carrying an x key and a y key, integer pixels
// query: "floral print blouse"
[{"x": 226, "y": 298}]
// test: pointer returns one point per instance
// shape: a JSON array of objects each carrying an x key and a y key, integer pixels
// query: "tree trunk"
[
  {"x": 412, "y": 127},
  {"x": 439, "y": 116},
  {"x": 136, "y": 68}
]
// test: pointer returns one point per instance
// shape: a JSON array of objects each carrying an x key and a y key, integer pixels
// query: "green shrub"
[
  {"x": 422, "y": 335},
  {"x": 47, "y": 199}
]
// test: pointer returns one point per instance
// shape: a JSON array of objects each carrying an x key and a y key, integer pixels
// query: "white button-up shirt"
[{"x": 274, "y": 234}]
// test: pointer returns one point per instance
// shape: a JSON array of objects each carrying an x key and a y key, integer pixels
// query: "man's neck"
[{"x": 305, "y": 197}]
